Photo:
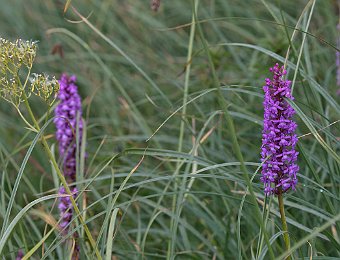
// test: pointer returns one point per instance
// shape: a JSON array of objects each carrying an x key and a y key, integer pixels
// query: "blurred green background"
[{"x": 131, "y": 67}]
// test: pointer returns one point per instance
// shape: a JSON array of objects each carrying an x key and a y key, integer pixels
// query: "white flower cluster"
[{"x": 16, "y": 61}]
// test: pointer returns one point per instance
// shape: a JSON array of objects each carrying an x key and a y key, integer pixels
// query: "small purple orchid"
[{"x": 69, "y": 124}]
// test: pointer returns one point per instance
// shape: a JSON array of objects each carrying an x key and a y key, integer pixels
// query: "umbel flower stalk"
[{"x": 278, "y": 152}]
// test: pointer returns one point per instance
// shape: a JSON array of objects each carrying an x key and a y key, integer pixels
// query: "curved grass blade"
[
  {"x": 110, "y": 237},
  {"x": 20, "y": 173},
  {"x": 17, "y": 218},
  {"x": 313, "y": 234}
]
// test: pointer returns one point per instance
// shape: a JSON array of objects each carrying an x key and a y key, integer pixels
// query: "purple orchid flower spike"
[
  {"x": 278, "y": 136},
  {"x": 69, "y": 124}
]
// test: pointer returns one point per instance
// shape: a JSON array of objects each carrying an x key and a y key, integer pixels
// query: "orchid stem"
[{"x": 284, "y": 224}]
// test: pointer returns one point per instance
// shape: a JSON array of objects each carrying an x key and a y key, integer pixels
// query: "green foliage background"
[{"x": 136, "y": 83}]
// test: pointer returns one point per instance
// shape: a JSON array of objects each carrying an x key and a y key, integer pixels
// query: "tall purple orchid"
[
  {"x": 278, "y": 137},
  {"x": 69, "y": 124}
]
